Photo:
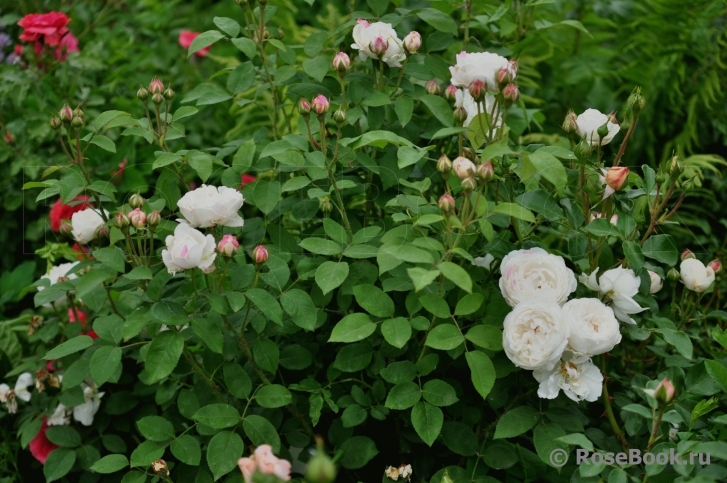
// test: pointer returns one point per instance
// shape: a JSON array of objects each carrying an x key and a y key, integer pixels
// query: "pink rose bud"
[
  {"x": 260, "y": 254},
  {"x": 616, "y": 176},
  {"x": 156, "y": 86},
  {"x": 363, "y": 22},
  {"x": 468, "y": 185},
  {"x": 137, "y": 218},
  {"x": 379, "y": 46},
  {"x": 569, "y": 124},
  {"x": 511, "y": 92},
  {"x": 304, "y": 107},
  {"x": 460, "y": 115},
  {"x": 614, "y": 220},
  {"x": 136, "y": 200},
  {"x": 450, "y": 93},
  {"x": 446, "y": 204},
  {"x": 664, "y": 392},
  {"x": 228, "y": 245},
  {"x": 444, "y": 164},
  {"x": 341, "y": 62},
  {"x": 154, "y": 218},
  {"x": 477, "y": 90},
  {"x": 55, "y": 123},
  {"x": 716, "y": 265},
  {"x": 66, "y": 227},
  {"x": 413, "y": 42},
  {"x": 103, "y": 231},
  {"x": 513, "y": 66},
  {"x": 504, "y": 77},
  {"x": 320, "y": 104},
  {"x": 612, "y": 118},
  {"x": 121, "y": 221},
  {"x": 687, "y": 254},
  {"x": 432, "y": 87},
  {"x": 66, "y": 113},
  {"x": 464, "y": 168},
  {"x": 486, "y": 171}
]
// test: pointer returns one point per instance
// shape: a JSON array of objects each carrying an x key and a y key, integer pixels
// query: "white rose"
[
  {"x": 593, "y": 327},
  {"x": 484, "y": 262},
  {"x": 588, "y": 123},
  {"x": 208, "y": 206},
  {"x": 84, "y": 413},
  {"x": 534, "y": 274},
  {"x": 364, "y": 33},
  {"x": 619, "y": 285},
  {"x": 463, "y": 98},
  {"x": 60, "y": 417},
  {"x": 579, "y": 381},
  {"x": 656, "y": 282},
  {"x": 189, "y": 248},
  {"x": 535, "y": 334},
  {"x": 482, "y": 66},
  {"x": 695, "y": 275},
  {"x": 54, "y": 274},
  {"x": 85, "y": 225}
]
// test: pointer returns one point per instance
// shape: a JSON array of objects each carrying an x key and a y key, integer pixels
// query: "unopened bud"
[
  {"x": 511, "y": 93},
  {"x": 664, "y": 392},
  {"x": 66, "y": 228},
  {"x": 464, "y": 168},
  {"x": 121, "y": 221},
  {"x": 614, "y": 220},
  {"x": 569, "y": 124},
  {"x": 304, "y": 108},
  {"x": 655, "y": 282},
  {"x": 137, "y": 218},
  {"x": 460, "y": 115},
  {"x": 55, "y": 123},
  {"x": 103, "y": 231},
  {"x": 486, "y": 171},
  {"x": 154, "y": 218},
  {"x": 612, "y": 118},
  {"x": 379, "y": 46},
  {"x": 413, "y": 42},
  {"x": 432, "y": 87},
  {"x": 636, "y": 101},
  {"x": 142, "y": 94},
  {"x": 77, "y": 112},
  {"x": 673, "y": 275},
  {"x": 77, "y": 122},
  {"x": 341, "y": 62},
  {"x": 583, "y": 151},
  {"x": 340, "y": 117},
  {"x": 326, "y": 205},
  {"x": 321, "y": 468},
  {"x": 66, "y": 113},
  {"x": 446, "y": 204},
  {"x": 716, "y": 265},
  {"x": 260, "y": 254},
  {"x": 687, "y": 254},
  {"x": 675, "y": 166},
  {"x": 156, "y": 86},
  {"x": 228, "y": 245},
  {"x": 513, "y": 67},
  {"x": 320, "y": 104},
  {"x": 444, "y": 164},
  {"x": 470, "y": 154},
  {"x": 503, "y": 77},
  {"x": 616, "y": 177},
  {"x": 468, "y": 185},
  {"x": 169, "y": 94},
  {"x": 477, "y": 90},
  {"x": 157, "y": 99},
  {"x": 281, "y": 33},
  {"x": 602, "y": 131},
  {"x": 136, "y": 200},
  {"x": 450, "y": 93}
]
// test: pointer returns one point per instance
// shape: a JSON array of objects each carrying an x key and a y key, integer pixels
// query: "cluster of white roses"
[
  {"x": 550, "y": 335},
  {"x": 379, "y": 40}
]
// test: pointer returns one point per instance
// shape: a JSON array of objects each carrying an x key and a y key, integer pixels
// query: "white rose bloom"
[
  {"x": 695, "y": 275},
  {"x": 364, "y": 33},
  {"x": 482, "y": 66},
  {"x": 484, "y": 262},
  {"x": 25, "y": 380},
  {"x": 579, "y": 381},
  {"x": 86, "y": 224},
  {"x": 534, "y": 274},
  {"x": 208, "y": 206},
  {"x": 535, "y": 334},
  {"x": 587, "y": 125},
  {"x": 593, "y": 326},
  {"x": 463, "y": 98},
  {"x": 54, "y": 274},
  {"x": 189, "y": 248},
  {"x": 84, "y": 413},
  {"x": 60, "y": 417},
  {"x": 656, "y": 282},
  {"x": 619, "y": 285}
]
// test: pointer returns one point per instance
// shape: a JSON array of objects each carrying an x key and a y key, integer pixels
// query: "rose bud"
[
  {"x": 154, "y": 218},
  {"x": 228, "y": 245},
  {"x": 460, "y": 115},
  {"x": 137, "y": 218},
  {"x": 583, "y": 151},
  {"x": 486, "y": 171},
  {"x": 616, "y": 177},
  {"x": 341, "y": 62},
  {"x": 142, "y": 94},
  {"x": 432, "y": 87},
  {"x": 477, "y": 90},
  {"x": 687, "y": 254},
  {"x": 325, "y": 204},
  {"x": 673, "y": 275},
  {"x": 304, "y": 108},
  {"x": 168, "y": 94},
  {"x": 612, "y": 118},
  {"x": 569, "y": 124},
  {"x": 444, "y": 164},
  {"x": 656, "y": 282},
  {"x": 66, "y": 227},
  {"x": 66, "y": 113},
  {"x": 513, "y": 67},
  {"x": 450, "y": 93},
  {"x": 320, "y": 468},
  {"x": 636, "y": 101},
  {"x": 470, "y": 154},
  {"x": 413, "y": 42},
  {"x": 77, "y": 122},
  {"x": 157, "y": 99},
  {"x": 511, "y": 92},
  {"x": 379, "y": 46},
  {"x": 260, "y": 254},
  {"x": 602, "y": 131},
  {"x": 664, "y": 392},
  {"x": 121, "y": 221},
  {"x": 468, "y": 185},
  {"x": 77, "y": 112},
  {"x": 103, "y": 232},
  {"x": 340, "y": 117},
  {"x": 320, "y": 104},
  {"x": 716, "y": 265},
  {"x": 446, "y": 204},
  {"x": 55, "y": 123},
  {"x": 614, "y": 220},
  {"x": 156, "y": 86},
  {"x": 464, "y": 168},
  {"x": 136, "y": 200},
  {"x": 503, "y": 77}
]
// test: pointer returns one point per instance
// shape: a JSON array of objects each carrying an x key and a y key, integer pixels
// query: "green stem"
[{"x": 609, "y": 410}]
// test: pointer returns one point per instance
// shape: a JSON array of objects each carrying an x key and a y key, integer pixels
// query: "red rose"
[
  {"x": 68, "y": 44},
  {"x": 81, "y": 315},
  {"x": 247, "y": 178},
  {"x": 185, "y": 40},
  {"x": 41, "y": 446},
  {"x": 59, "y": 211},
  {"x": 51, "y": 26}
]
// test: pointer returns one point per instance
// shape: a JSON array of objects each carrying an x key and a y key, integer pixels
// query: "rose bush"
[{"x": 328, "y": 295}]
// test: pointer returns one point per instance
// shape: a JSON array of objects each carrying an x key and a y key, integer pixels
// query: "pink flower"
[
  {"x": 68, "y": 44},
  {"x": 185, "y": 40},
  {"x": 50, "y": 27},
  {"x": 247, "y": 178},
  {"x": 228, "y": 245},
  {"x": 363, "y": 22},
  {"x": 320, "y": 104},
  {"x": 247, "y": 467}
]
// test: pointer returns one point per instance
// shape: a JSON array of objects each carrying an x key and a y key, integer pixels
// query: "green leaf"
[
  {"x": 427, "y": 421},
  {"x": 317, "y": 67},
  {"x": 439, "y": 107},
  {"x": 266, "y": 195},
  {"x": 679, "y": 340},
  {"x": 300, "y": 307},
  {"x": 241, "y": 78},
  {"x": 266, "y": 355},
  {"x": 515, "y": 422},
  {"x": 70, "y": 346},
  {"x": 357, "y": 451},
  {"x": 104, "y": 363},
  {"x": 541, "y": 202},
  {"x": 223, "y": 451},
  {"x": 602, "y": 227},
  {"x": 404, "y": 106},
  {"x": 59, "y": 464},
  {"x": 104, "y": 143},
  {"x": 163, "y": 355},
  {"x": 91, "y": 281},
  {"x": 266, "y": 303},
  {"x": 661, "y": 248},
  {"x": 435, "y": 305},
  {"x": 634, "y": 255},
  {"x": 469, "y": 304},
  {"x": 227, "y": 25},
  {"x": 353, "y": 357},
  {"x": 146, "y": 453},
  {"x": 105, "y": 118},
  {"x": 218, "y": 416},
  {"x": 169, "y": 313},
  {"x": 273, "y": 396},
  {"x": 496, "y": 149},
  {"x": 330, "y": 275},
  {"x": 64, "y": 436},
  {"x": 203, "y": 40},
  {"x": 374, "y": 300},
  {"x": 439, "y": 393},
  {"x": 456, "y": 274},
  {"x": 353, "y": 415},
  {"x": 545, "y": 438},
  {"x": 718, "y": 372},
  {"x": 550, "y": 168},
  {"x": 202, "y": 164},
  {"x": 261, "y": 431},
  {"x": 439, "y": 20},
  {"x": 352, "y": 328},
  {"x": 577, "y": 439},
  {"x": 247, "y": 46},
  {"x": 110, "y": 464},
  {"x": 444, "y": 337},
  {"x": 155, "y": 428},
  {"x": 485, "y": 336},
  {"x": 183, "y": 112},
  {"x": 422, "y": 277},
  {"x": 210, "y": 331},
  {"x": 514, "y": 210},
  {"x": 321, "y": 246},
  {"x": 242, "y": 160},
  {"x": 186, "y": 449},
  {"x": 237, "y": 380},
  {"x": 397, "y": 332},
  {"x": 483, "y": 372}
]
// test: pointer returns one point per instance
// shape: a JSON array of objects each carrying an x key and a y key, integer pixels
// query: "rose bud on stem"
[
  {"x": 446, "y": 204},
  {"x": 464, "y": 168},
  {"x": 485, "y": 172},
  {"x": 413, "y": 42},
  {"x": 432, "y": 87},
  {"x": 477, "y": 90},
  {"x": 569, "y": 123},
  {"x": 716, "y": 265},
  {"x": 136, "y": 200},
  {"x": 137, "y": 218},
  {"x": 444, "y": 165},
  {"x": 687, "y": 254},
  {"x": 511, "y": 93},
  {"x": 228, "y": 245},
  {"x": 260, "y": 254},
  {"x": 379, "y": 46},
  {"x": 341, "y": 63},
  {"x": 450, "y": 93},
  {"x": 460, "y": 115}
]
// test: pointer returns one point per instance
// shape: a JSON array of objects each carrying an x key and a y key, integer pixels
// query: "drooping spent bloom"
[
  {"x": 189, "y": 248},
  {"x": 264, "y": 461},
  {"x": 696, "y": 276},
  {"x": 60, "y": 211},
  {"x": 209, "y": 206},
  {"x": 61, "y": 416},
  {"x": 619, "y": 285},
  {"x": 482, "y": 66},
  {"x": 364, "y": 34},
  {"x": 10, "y": 396},
  {"x": 185, "y": 40},
  {"x": 587, "y": 125},
  {"x": 535, "y": 274}
]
